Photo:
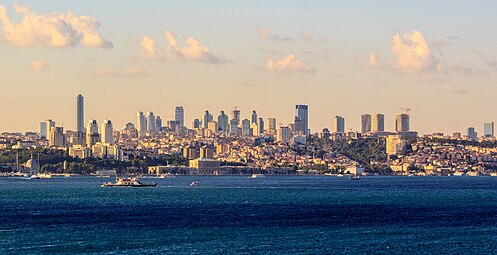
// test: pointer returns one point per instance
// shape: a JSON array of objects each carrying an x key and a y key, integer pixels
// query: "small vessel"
[
  {"x": 194, "y": 184},
  {"x": 45, "y": 176},
  {"x": 354, "y": 177},
  {"x": 168, "y": 175},
  {"x": 254, "y": 176},
  {"x": 128, "y": 182},
  {"x": 35, "y": 177}
]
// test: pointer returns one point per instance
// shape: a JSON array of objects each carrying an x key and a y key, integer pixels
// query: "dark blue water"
[{"x": 272, "y": 215}]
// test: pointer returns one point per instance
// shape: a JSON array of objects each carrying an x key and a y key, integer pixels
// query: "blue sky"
[{"x": 269, "y": 56}]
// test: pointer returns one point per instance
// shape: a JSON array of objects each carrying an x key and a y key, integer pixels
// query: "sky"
[{"x": 347, "y": 58}]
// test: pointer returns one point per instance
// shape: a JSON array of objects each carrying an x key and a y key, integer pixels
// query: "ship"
[{"x": 128, "y": 182}]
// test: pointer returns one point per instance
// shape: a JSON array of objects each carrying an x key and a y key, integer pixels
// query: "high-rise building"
[
  {"x": 284, "y": 134},
  {"x": 235, "y": 115},
  {"x": 472, "y": 133},
  {"x": 260, "y": 126},
  {"x": 271, "y": 125},
  {"x": 196, "y": 123},
  {"x": 298, "y": 126},
  {"x": 151, "y": 124},
  {"x": 402, "y": 122},
  {"x": 213, "y": 126},
  {"x": 365, "y": 123},
  {"x": 302, "y": 112},
  {"x": 339, "y": 124},
  {"x": 158, "y": 123},
  {"x": 80, "y": 114},
  {"x": 107, "y": 132},
  {"x": 246, "y": 127},
  {"x": 92, "y": 135},
  {"x": 234, "y": 130},
  {"x": 489, "y": 130},
  {"x": 378, "y": 122},
  {"x": 141, "y": 122},
  {"x": 179, "y": 115},
  {"x": 253, "y": 117},
  {"x": 56, "y": 137},
  {"x": 45, "y": 127},
  {"x": 206, "y": 118},
  {"x": 223, "y": 122}
]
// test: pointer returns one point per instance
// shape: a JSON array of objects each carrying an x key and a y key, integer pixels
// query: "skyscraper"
[
  {"x": 472, "y": 133},
  {"x": 196, "y": 123},
  {"x": 339, "y": 124},
  {"x": 158, "y": 124},
  {"x": 302, "y": 112},
  {"x": 141, "y": 122},
  {"x": 92, "y": 135},
  {"x": 107, "y": 132},
  {"x": 284, "y": 134},
  {"x": 378, "y": 122},
  {"x": 80, "y": 114},
  {"x": 489, "y": 130},
  {"x": 365, "y": 123},
  {"x": 235, "y": 115},
  {"x": 260, "y": 126},
  {"x": 56, "y": 137},
  {"x": 206, "y": 118},
  {"x": 246, "y": 127},
  {"x": 151, "y": 125},
  {"x": 45, "y": 127},
  {"x": 253, "y": 117},
  {"x": 179, "y": 115},
  {"x": 271, "y": 125},
  {"x": 223, "y": 122},
  {"x": 402, "y": 122}
]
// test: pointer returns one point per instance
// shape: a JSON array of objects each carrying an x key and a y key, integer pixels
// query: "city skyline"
[{"x": 443, "y": 70}]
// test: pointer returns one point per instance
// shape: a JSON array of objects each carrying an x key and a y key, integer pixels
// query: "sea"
[{"x": 240, "y": 215}]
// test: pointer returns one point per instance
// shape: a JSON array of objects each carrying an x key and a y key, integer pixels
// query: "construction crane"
[{"x": 407, "y": 110}]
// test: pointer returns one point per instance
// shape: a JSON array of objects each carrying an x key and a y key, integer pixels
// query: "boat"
[
  {"x": 35, "y": 177},
  {"x": 45, "y": 176},
  {"x": 194, "y": 184},
  {"x": 354, "y": 177},
  {"x": 254, "y": 176},
  {"x": 168, "y": 175},
  {"x": 128, "y": 182}
]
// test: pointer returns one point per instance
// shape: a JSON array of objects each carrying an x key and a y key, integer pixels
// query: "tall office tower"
[
  {"x": 339, "y": 124},
  {"x": 298, "y": 126},
  {"x": 107, "y": 132},
  {"x": 235, "y": 115},
  {"x": 223, "y": 122},
  {"x": 213, "y": 126},
  {"x": 284, "y": 134},
  {"x": 179, "y": 115},
  {"x": 206, "y": 118},
  {"x": 196, "y": 123},
  {"x": 365, "y": 123},
  {"x": 141, "y": 122},
  {"x": 488, "y": 130},
  {"x": 151, "y": 125},
  {"x": 378, "y": 122},
  {"x": 92, "y": 135},
  {"x": 271, "y": 124},
  {"x": 260, "y": 126},
  {"x": 472, "y": 133},
  {"x": 395, "y": 144},
  {"x": 45, "y": 128},
  {"x": 158, "y": 123},
  {"x": 56, "y": 137},
  {"x": 80, "y": 114},
  {"x": 402, "y": 122},
  {"x": 246, "y": 127},
  {"x": 253, "y": 117},
  {"x": 234, "y": 130},
  {"x": 302, "y": 111}
]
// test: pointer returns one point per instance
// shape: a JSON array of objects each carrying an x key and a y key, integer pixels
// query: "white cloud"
[
  {"x": 290, "y": 64},
  {"x": 192, "y": 51},
  {"x": 265, "y": 34},
  {"x": 454, "y": 89},
  {"x": 413, "y": 53},
  {"x": 56, "y": 30},
  {"x": 131, "y": 72},
  {"x": 38, "y": 65}
]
